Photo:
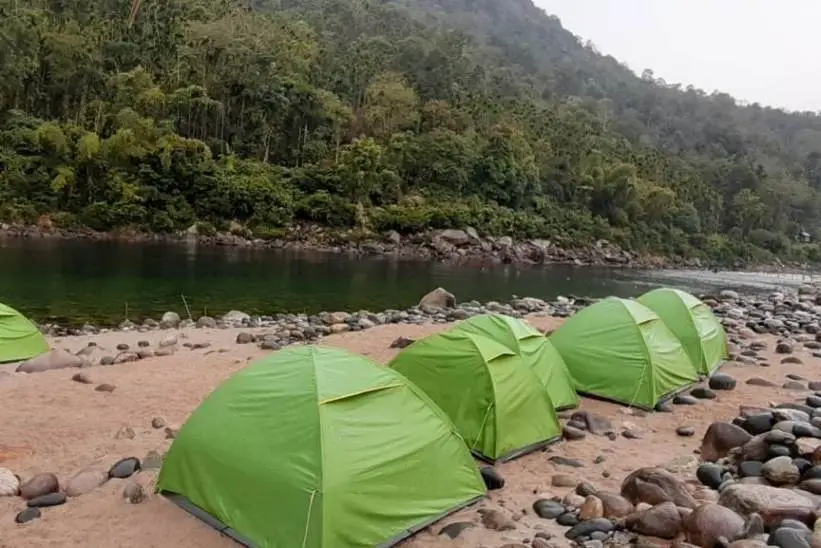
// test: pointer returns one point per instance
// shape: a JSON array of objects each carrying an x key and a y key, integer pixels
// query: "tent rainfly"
[
  {"x": 534, "y": 349},
  {"x": 693, "y": 323},
  {"x": 497, "y": 402},
  {"x": 317, "y": 447},
  {"x": 19, "y": 338},
  {"x": 620, "y": 350}
]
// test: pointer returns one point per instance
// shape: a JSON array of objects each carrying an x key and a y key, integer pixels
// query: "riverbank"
[
  {"x": 462, "y": 246},
  {"x": 76, "y": 424}
]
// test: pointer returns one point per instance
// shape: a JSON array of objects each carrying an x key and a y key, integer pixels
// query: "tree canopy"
[{"x": 403, "y": 115}]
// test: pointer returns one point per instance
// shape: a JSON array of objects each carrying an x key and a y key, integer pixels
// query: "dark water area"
[{"x": 104, "y": 282}]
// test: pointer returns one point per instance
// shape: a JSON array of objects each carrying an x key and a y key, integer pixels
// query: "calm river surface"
[{"x": 103, "y": 283}]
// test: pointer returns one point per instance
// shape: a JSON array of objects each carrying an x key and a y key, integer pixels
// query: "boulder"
[
  {"x": 720, "y": 438},
  {"x": 591, "y": 508},
  {"x": 455, "y": 237},
  {"x": 54, "y": 359},
  {"x": 438, "y": 298},
  {"x": 614, "y": 505},
  {"x": 772, "y": 503},
  {"x": 756, "y": 449},
  {"x": 807, "y": 446},
  {"x": 662, "y": 521},
  {"x": 85, "y": 482},
  {"x": 656, "y": 486},
  {"x": 39, "y": 485},
  {"x": 236, "y": 317},
  {"x": 780, "y": 471},
  {"x": 169, "y": 320},
  {"x": 708, "y": 522}
]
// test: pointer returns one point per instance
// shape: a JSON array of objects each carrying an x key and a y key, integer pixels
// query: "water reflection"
[{"x": 94, "y": 280}]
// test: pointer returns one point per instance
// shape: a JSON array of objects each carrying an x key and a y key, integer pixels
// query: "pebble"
[
  {"x": 27, "y": 515},
  {"x": 105, "y": 387},
  {"x": 721, "y": 381},
  {"x": 9, "y": 483},
  {"x": 686, "y": 431},
  {"x": 125, "y": 433},
  {"x": 565, "y": 461},
  {"x": 82, "y": 378},
  {"x": 125, "y": 468},
  {"x": 134, "y": 493},
  {"x": 493, "y": 480},
  {"x": 44, "y": 501},
  {"x": 703, "y": 393},
  {"x": 548, "y": 509},
  {"x": 245, "y": 338},
  {"x": 568, "y": 520}
]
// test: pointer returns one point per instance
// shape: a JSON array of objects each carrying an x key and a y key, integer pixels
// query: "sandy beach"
[{"x": 52, "y": 423}]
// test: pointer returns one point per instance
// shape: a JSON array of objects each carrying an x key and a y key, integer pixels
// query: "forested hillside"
[{"x": 381, "y": 116}]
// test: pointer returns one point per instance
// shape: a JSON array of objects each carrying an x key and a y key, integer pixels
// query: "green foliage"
[{"x": 379, "y": 116}]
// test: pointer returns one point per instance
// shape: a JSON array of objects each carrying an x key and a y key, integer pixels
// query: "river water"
[{"x": 104, "y": 283}]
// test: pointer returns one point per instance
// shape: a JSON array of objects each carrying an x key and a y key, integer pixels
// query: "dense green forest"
[{"x": 380, "y": 116}]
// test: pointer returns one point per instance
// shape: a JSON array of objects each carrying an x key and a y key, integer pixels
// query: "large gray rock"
[
  {"x": 720, "y": 438},
  {"x": 781, "y": 471},
  {"x": 169, "y": 320},
  {"x": 438, "y": 298},
  {"x": 39, "y": 485},
  {"x": 455, "y": 237},
  {"x": 85, "y": 482},
  {"x": 656, "y": 486},
  {"x": 614, "y": 505},
  {"x": 235, "y": 317},
  {"x": 54, "y": 359},
  {"x": 709, "y": 522},
  {"x": 772, "y": 503},
  {"x": 662, "y": 521},
  {"x": 756, "y": 449}
]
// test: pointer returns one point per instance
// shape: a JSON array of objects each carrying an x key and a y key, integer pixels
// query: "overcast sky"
[{"x": 756, "y": 50}]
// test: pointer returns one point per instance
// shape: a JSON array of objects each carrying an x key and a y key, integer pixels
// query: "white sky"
[{"x": 763, "y": 51}]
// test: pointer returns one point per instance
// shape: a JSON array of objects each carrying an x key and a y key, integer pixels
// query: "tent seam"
[
  {"x": 648, "y": 365},
  {"x": 493, "y": 403},
  {"x": 321, "y": 454},
  {"x": 359, "y": 393},
  {"x": 308, "y": 521}
]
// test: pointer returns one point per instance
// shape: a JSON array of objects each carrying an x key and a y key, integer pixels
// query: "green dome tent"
[
  {"x": 317, "y": 447},
  {"x": 618, "y": 349},
  {"x": 19, "y": 338},
  {"x": 693, "y": 323},
  {"x": 496, "y": 401},
  {"x": 535, "y": 350}
]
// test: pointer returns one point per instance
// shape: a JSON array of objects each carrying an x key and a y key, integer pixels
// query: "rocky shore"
[
  {"x": 464, "y": 246},
  {"x": 735, "y": 461}
]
